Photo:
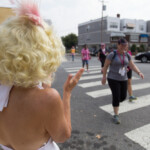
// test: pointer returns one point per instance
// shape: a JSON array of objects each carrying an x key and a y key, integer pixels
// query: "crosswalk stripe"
[
  {"x": 75, "y": 70},
  {"x": 91, "y": 77},
  {"x": 91, "y": 72},
  {"x": 127, "y": 106},
  {"x": 72, "y": 68},
  {"x": 141, "y": 136},
  {"x": 99, "y": 93},
  {"x": 96, "y": 83},
  {"x": 96, "y": 77},
  {"x": 90, "y": 84}
]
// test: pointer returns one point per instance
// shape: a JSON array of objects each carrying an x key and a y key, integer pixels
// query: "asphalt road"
[{"x": 92, "y": 124}]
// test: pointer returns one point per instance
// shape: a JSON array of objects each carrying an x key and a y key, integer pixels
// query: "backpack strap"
[
  {"x": 115, "y": 52},
  {"x": 128, "y": 55}
]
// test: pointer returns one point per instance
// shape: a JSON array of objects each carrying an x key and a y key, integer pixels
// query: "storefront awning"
[
  {"x": 144, "y": 35},
  {"x": 130, "y": 25},
  {"x": 117, "y": 35}
]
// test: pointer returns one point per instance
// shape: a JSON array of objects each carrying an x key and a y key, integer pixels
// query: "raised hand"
[{"x": 72, "y": 81}]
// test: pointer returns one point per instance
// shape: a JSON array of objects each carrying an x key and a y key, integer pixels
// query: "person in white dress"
[{"x": 32, "y": 114}]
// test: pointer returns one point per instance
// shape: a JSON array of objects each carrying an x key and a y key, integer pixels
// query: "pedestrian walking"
[
  {"x": 102, "y": 53},
  {"x": 73, "y": 52},
  {"x": 85, "y": 57},
  {"x": 129, "y": 75},
  {"x": 32, "y": 114},
  {"x": 117, "y": 61}
]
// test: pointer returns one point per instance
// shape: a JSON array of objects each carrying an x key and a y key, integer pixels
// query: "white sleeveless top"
[{"x": 4, "y": 97}]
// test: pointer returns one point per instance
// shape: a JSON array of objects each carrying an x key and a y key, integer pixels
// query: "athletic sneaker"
[
  {"x": 131, "y": 98},
  {"x": 88, "y": 71},
  {"x": 116, "y": 119}
]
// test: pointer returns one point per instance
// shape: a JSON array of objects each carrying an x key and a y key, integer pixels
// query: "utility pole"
[
  {"x": 101, "y": 30},
  {"x": 102, "y": 22}
]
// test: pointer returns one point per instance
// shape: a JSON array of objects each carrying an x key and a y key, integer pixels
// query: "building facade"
[{"x": 109, "y": 29}]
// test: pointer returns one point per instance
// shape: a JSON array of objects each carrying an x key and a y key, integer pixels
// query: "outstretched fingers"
[
  {"x": 76, "y": 78},
  {"x": 71, "y": 81},
  {"x": 78, "y": 75}
]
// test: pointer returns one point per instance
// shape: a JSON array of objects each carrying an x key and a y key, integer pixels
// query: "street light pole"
[
  {"x": 101, "y": 30},
  {"x": 102, "y": 22}
]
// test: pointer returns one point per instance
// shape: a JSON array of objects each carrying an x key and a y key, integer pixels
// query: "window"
[
  {"x": 88, "y": 27},
  {"x": 87, "y": 38},
  {"x": 113, "y": 25},
  {"x": 114, "y": 39},
  {"x": 144, "y": 39},
  {"x": 134, "y": 38},
  {"x": 141, "y": 27}
]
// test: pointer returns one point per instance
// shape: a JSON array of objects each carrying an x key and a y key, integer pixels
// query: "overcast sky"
[{"x": 67, "y": 14}]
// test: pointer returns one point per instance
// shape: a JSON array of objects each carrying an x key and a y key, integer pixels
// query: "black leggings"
[{"x": 119, "y": 91}]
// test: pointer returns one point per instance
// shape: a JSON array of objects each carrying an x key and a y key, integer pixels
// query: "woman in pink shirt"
[{"x": 85, "y": 57}]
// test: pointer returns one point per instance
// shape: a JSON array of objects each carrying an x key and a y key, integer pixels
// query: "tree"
[
  {"x": 133, "y": 48},
  {"x": 70, "y": 40},
  {"x": 142, "y": 48}
]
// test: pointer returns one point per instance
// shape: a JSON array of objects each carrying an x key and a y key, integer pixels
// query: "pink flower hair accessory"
[{"x": 29, "y": 9}]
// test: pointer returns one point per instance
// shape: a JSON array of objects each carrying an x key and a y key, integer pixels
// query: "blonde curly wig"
[{"x": 29, "y": 54}]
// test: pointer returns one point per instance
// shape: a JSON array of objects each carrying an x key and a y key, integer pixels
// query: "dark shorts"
[
  {"x": 119, "y": 91},
  {"x": 85, "y": 61},
  {"x": 102, "y": 62},
  {"x": 129, "y": 74}
]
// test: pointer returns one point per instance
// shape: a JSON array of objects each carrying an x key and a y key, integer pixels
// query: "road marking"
[
  {"x": 141, "y": 136},
  {"x": 75, "y": 70},
  {"x": 99, "y": 93},
  {"x": 127, "y": 106},
  {"x": 90, "y": 84},
  {"x": 97, "y": 83},
  {"x": 91, "y": 77},
  {"x": 72, "y": 68},
  {"x": 91, "y": 72}
]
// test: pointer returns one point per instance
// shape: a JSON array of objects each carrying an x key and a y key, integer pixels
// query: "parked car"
[
  {"x": 143, "y": 57},
  {"x": 93, "y": 52}
]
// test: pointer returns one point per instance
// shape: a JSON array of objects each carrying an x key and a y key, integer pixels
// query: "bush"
[
  {"x": 133, "y": 48},
  {"x": 142, "y": 48}
]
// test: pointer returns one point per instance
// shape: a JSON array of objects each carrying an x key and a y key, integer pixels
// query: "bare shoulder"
[
  {"x": 35, "y": 99},
  {"x": 50, "y": 103},
  {"x": 50, "y": 96}
]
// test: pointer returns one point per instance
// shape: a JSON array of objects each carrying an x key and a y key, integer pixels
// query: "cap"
[{"x": 122, "y": 41}]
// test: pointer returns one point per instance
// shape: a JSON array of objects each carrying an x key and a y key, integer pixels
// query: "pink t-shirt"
[{"x": 85, "y": 54}]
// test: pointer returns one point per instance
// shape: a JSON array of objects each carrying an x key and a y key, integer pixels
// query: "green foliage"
[
  {"x": 133, "y": 48},
  {"x": 138, "y": 49},
  {"x": 70, "y": 40},
  {"x": 142, "y": 48}
]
